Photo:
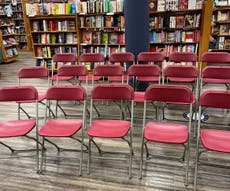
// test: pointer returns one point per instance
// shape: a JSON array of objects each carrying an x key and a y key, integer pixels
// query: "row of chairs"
[{"x": 153, "y": 131}]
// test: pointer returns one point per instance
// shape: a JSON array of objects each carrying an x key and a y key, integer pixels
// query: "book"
[
  {"x": 189, "y": 21},
  {"x": 105, "y": 38},
  {"x": 183, "y": 4},
  {"x": 87, "y": 37},
  {"x": 96, "y": 37},
  {"x": 161, "y": 5},
  {"x": 224, "y": 29},
  {"x": 180, "y": 21},
  {"x": 113, "y": 38}
]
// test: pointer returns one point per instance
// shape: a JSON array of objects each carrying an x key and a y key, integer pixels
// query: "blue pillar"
[
  {"x": 137, "y": 29},
  {"x": 136, "y": 26}
]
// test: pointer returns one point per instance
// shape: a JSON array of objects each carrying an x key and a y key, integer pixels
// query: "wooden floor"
[{"x": 18, "y": 171}]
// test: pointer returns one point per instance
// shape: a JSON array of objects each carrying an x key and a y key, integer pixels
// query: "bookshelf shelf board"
[
  {"x": 101, "y": 44},
  {"x": 63, "y": 31},
  {"x": 52, "y": 17},
  {"x": 10, "y": 45},
  {"x": 222, "y": 22},
  {"x": 176, "y": 12},
  {"x": 11, "y": 58},
  {"x": 173, "y": 29},
  {"x": 173, "y": 43},
  {"x": 7, "y": 35},
  {"x": 56, "y": 44}
]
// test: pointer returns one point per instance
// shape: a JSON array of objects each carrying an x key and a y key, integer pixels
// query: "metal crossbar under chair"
[
  {"x": 164, "y": 132},
  {"x": 213, "y": 138},
  {"x": 111, "y": 128},
  {"x": 19, "y": 127},
  {"x": 60, "y": 127}
]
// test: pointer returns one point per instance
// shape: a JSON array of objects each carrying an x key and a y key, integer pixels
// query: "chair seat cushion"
[
  {"x": 181, "y": 79},
  {"x": 90, "y": 77},
  {"x": 60, "y": 128},
  {"x": 16, "y": 128},
  {"x": 166, "y": 132},
  {"x": 139, "y": 96},
  {"x": 216, "y": 81},
  {"x": 217, "y": 140},
  {"x": 148, "y": 78},
  {"x": 61, "y": 78},
  {"x": 109, "y": 128}
]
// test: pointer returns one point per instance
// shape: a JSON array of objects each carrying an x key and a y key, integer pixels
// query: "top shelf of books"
[{"x": 82, "y": 7}]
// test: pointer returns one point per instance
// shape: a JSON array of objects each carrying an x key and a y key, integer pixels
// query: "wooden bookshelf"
[
  {"x": 8, "y": 42},
  {"x": 102, "y": 27},
  {"x": 52, "y": 32},
  {"x": 221, "y": 28},
  {"x": 179, "y": 27}
]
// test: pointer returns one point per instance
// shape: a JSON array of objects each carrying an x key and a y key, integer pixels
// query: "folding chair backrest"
[
  {"x": 215, "y": 99},
  {"x": 144, "y": 70},
  {"x": 64, "y": 57},
  {"x": 186, "y": 71},
  {"x": 72, "y": 70},
  {"x": 66, "y": 92},
  {"x": 216, "y": 57},
  {"x": 182, "y": 57},
  {"x": 33, "y": 72},
  {"x": 122, "y": 57},
  {"x": 18, "y": 93},
  {"x": 92, "y": 57},
  {"x": 108, "y": 70},
  {"x": 150, "y": 57},
  {"x": 112, "y": 92},
  {"x": 174, "y": 94},
  {"x": 216, "y": 72}
]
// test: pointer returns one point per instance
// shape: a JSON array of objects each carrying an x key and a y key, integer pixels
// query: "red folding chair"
[
  {"x": 110, "y": 127},
  {"x": 217, "y": 70},
  {"x": 19, "y": 127},
  {"x": 91, "y": 59},
  {"x": 125, "y": 59},
  {"x": 60, "y": 59},
  {"x": 60, "y": 127},
  {"x": 26, "y": 75},
  {"x": 184, "y": 69},
  {"x": 165, "y": 132},
  {"x": 213, "y": 137},
  {"x": 146, "y": 73}
]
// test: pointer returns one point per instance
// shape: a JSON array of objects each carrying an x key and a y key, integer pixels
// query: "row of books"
[
  {"x": 69, "y": 38},
  {"x": 223, "y": 43},
  {"x": 174, "y": 5},
  {"x": 17, "y": 7},
  {"x": 53, "y": 25},
  {"x": 9, "y": 41},
  {"x": 6, "y": 10},
  {"x": 49, "y": 51},
  {"x": 221, "y": 2},
  {"x": 100, "y": 6},
  {"x": 8, "y": 30},
  {"x": 166, "y": 50},
  {"x": 177, "y": 36},
  {"x": 180, "y": 21},
  {"x": 223, "y": 16},
  {"x": 101, "y": 21},
  {"x": 33, "y": 9},
  {"x": 100, "y": 37},
  {"x": 11, "y": 52}
]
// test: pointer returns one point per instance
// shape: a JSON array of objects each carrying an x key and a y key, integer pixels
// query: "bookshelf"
[
  {"x": 7, "y": 33},
  {"x": 53, "y": 28},
  {"x": 20, "y": 25},
  {"x": 221, "y": 26},
  {"x": 178, "y": 25},
  {"x": 101, "y": 26}
]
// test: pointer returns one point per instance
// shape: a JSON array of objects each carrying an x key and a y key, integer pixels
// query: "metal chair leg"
[{"x": 89, "y": 156}]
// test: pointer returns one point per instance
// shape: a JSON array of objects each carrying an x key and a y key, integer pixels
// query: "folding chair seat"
[
  {"x": 111, "y": 127},
  {"x": 60, "y": 59},
  {"x": 164, "y": 132},
  {"x": 125, "y": 59},
  {"x": 143, "y": 72},
  {"x": 93, "y": 59},
  {"x": 60, "y": 127},
  {"x": 183, "y": 70},
  {"x": 19, "y": 127},
  {"x": 217, "y": 70},
  {"x": 26, "y": 75},
  {"x": 213, "y": 137}
]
